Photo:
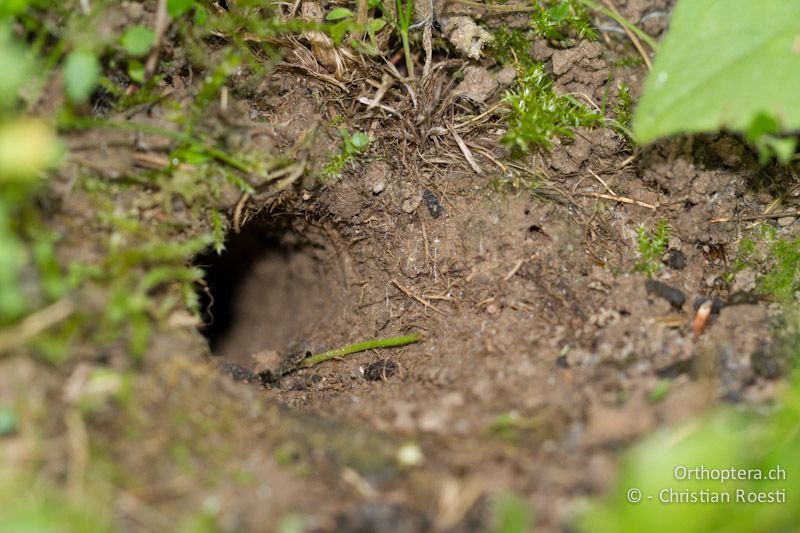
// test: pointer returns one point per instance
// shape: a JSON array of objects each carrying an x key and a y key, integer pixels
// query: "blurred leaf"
[
  {"x": 13, "y": 302},
  {"x": 722, "y": 63},
  {"x": 13, "y": 65},
  {"x": 339, "y": 13},
  {"x": 81, "y": 74},
  {"x": 8, "y": 421},
  {"x": 176, "y": 8},
  {"x": 136, "y": 71},
  {"x": 512, "y": 515},
  {"x": 13, "y": 7},
  {"x": 27, "y": 147},
  {"x": 138, "y": 40},
  {"x": 376, "y": 25}
]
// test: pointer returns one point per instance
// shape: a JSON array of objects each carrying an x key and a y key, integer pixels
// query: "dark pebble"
[
  {"x": 432, "y": 203},
  {"x": 380, "y": 370},
  {"x": 561, "y": 361},
  {"x": 676, "y": 259},
  {"x": 673, "y": 370},
  {"x": 743, "y": 298},
  {"x": 768, "y": 362},
  {"x": 674, "y": 296},
  {"x": 238, "y": 372}
]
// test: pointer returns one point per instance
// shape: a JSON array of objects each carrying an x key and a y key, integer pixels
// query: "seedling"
[
  {"x": 389, "y": 342},
  {"x": 352, "y": 145},
  {"x": 405, "y": 14},
  {"x": 652, "y": 246},
  {"x": 344, "y": 22}
]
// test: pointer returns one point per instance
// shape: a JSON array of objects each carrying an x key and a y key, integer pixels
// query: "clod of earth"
[{"x": 674, "y": 296}]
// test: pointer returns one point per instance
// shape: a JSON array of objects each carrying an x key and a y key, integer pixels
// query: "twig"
[
  {"x": 35, "y": 323},
  {"x": 417, "y": 298},
  {"x": 631, "y": 35},
  {"x": 388, "y": 342},
  {"x": 620, "y": 199},
  {"x": 623, "y": 22},
  {"x": 795, "y": 213},
  {"x": 162, "y": 22},
  {"x": 513, "y": 270},
  {"x": 464, "y": 150},
  {"x": 598, "y": 178},
  {"x": 237, "y": 212}
]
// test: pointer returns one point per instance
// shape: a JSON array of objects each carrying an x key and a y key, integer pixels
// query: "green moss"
[
  {"x": 512, "y": 47},
  {"x": 652, "y": 246},
  {"x": 538, "y": 114},
  {"x": 783, "y": 278},
  {"x": 558, "y": 19},
  {"x": 352, "y": 145}
]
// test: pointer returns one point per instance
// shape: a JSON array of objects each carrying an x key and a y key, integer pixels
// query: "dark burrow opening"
[{"x": 273, "y": 288}]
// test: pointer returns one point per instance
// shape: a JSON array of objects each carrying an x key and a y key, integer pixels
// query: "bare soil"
[{"x": 541, "y": 346}]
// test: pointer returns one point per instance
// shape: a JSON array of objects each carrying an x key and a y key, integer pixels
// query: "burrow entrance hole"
[{"x": 275, "y": 287}]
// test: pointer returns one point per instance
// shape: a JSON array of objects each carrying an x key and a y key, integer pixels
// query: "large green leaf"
[{"x": 722, "y": 63}]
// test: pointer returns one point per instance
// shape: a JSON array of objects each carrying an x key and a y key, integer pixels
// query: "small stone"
[
  {"x": 785, "y": 222},
  {"x": 410, "y": 205},
  {"x": 506, "y": 76},
  {"x": 378, "y": 187},
  {"x": 676, "y": 259},
  {"x": 380, "y": 370},
  {"x": 410, "y": 455},
  {"x": 135, "y": 10},
  {"x": 674, "y": 296},
  {"x": 432, "y": 203}
]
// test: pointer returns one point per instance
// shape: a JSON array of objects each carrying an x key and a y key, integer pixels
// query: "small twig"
[
  {"x": 598, "y": 178},
  {"x": 388, "y": 342},
  {"x": 795, "y": 213},
  {"x": 631, "y": 35},
  {"x": 625, "y": 23},
  {"x": 417, "y": 298},
  {"x": 513, "y": 270},
  {"x": 620, "y": 199},
  {"x": 35, "y": 323},
  {"x": 464, "y": 150},
  {"x": 238, "y": 210},
  {"x": 162, "y": 22},
  {"x": 373, "y": 104}
]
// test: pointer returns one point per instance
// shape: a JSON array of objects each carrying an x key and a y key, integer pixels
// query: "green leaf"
[
  {"x": 200, "y": 15},
  {"x": 376, "y": 25},
  {"x": 14, "y": 66},
  {"x": 81, "y": 74},
  {"x": 338, "y": 30},
  {"x": 359, "y": 140},
  {"x": 339, "y": 13},
  {"x": 136, "y": 71},
  {"x": 721, "y": 64},
  {"x": 138, "y": 40},
  {"x": 176, "y": 8}
]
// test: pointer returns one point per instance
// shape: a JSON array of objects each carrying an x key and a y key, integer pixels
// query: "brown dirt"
[{"x": 531, "y": 313}]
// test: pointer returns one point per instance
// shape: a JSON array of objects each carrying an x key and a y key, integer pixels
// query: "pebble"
[
  {"x": 410, "y": 205},
  {"x": 674, "y": 296},
  {"x": 378, "y": 187},
  {"x": 135, "y": 10},
  {"x": 785, "y": 222},
  {"x": 676, "y": 259}
]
